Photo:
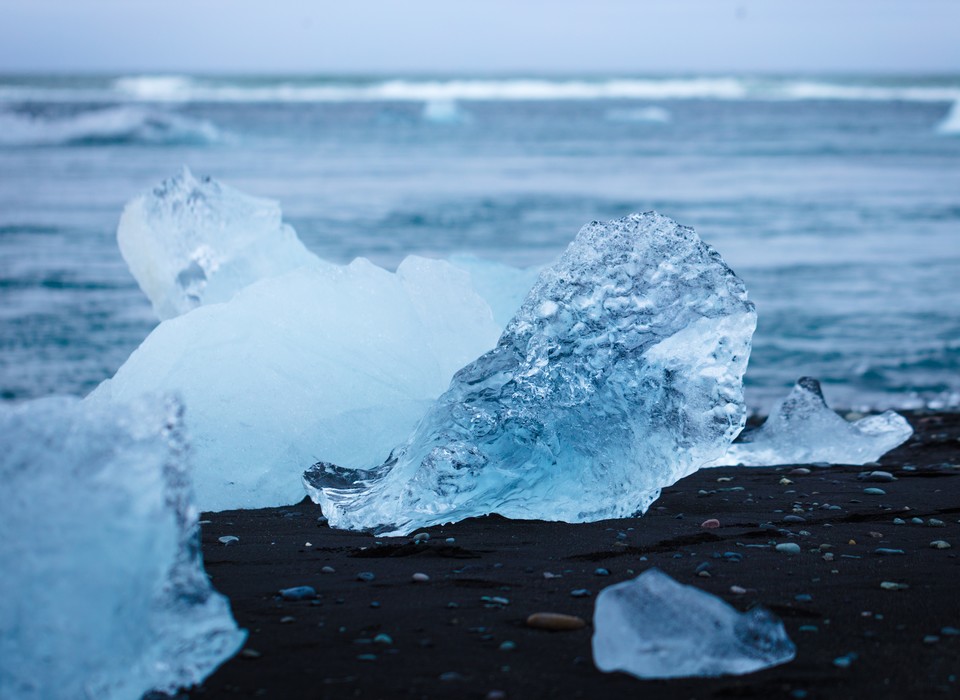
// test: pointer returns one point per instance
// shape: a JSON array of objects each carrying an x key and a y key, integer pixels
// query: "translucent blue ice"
[
  {"x": 620, "y": 373},
  {"x": 654, "y": 627},
  {"x": 103, "y": 593}
]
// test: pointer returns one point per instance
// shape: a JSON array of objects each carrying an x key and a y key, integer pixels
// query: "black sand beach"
[{"x": 454, "y": 636}]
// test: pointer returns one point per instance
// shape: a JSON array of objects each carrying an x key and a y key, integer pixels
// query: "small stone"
[
  {"x": 555, "y": 621},
  {"x": 874, "y": 491},
  {"x": 328, "y": 570},
  {"x": 384, "y": 639},
  {"x": 934, "y": 522},
  {"x": 801, "y": 471},
  {"x": 450, "y": 540},
  {"x": 250, "y": 654},
  {"x": 878, "y": 476},
  {"x": 549, "y": 575},
  {"x": 785, "y": 481},
  {"x": 886, "y": 551},
  {"x": 808, "y": 628},
  {"x": 580, "y": 593},
  {"x": 703, "y": 574},
  {"x": 366, "y": 657},
  {"x": 508, "y": 646},
  {"x": 421, "y": 537},
  {"x": 916, "y": 521},
  {"x": 420, "y": 578},
  {"x": 829, "y": 556},
  {"x": 803, "y": 598},
  {"x": 940, "y": 544},
  {"x": 601, "y": 572},
  {"x": 321, "y": 521},
  {"x": 298, "y": 593},
  {"x": 950, "y": 632},
  {"x": 366, "y": 576},
  {"x": 710, "y": 524},
  {"x": 287, "y": 619},
  {"x": 790, "y": 548},
  {"x": 738, "y": 590},
  {"x": 794, "y": 519},
  {"x": 876, "y": 535},
  {"x": 496, "y": 695},
  {"x": 450, "y": 676},
  {"x": 844, "y": 661},
  {"x": 229, "y": 539},
  {"x": 899, "y": 521},
  {"x": 931, "y": 639},
  {"x": 494, "y": 600},
  {"x": 893, "y": 586}
]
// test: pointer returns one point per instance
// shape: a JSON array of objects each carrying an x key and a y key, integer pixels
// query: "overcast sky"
[{"x": 488, "y": 36}]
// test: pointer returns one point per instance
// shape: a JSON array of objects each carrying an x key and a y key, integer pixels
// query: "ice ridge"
[{"x": 620, "y": 373}]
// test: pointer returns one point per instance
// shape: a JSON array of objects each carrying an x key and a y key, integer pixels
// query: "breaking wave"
[
  {"x": 114, "y": 125},
  {"x": 182, "y": 88}
]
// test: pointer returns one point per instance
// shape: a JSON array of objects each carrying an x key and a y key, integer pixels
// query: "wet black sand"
[{"x": 446, "y": 635}]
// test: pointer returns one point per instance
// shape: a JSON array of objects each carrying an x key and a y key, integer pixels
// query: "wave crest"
[{"x": 114, "y": 125}]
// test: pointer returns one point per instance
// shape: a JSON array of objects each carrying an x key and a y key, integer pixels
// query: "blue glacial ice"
[
  {"x": 103, "y": 593},
  {"x": 654, "y": 627},
  {"x": 280, "y": 357},
  {"x": 620, "y": 374},
  {"x": 802, "y": 429}
]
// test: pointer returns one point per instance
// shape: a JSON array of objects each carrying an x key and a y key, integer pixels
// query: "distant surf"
[
  {"x": 114, "y": 125},
  {"x": 182, "y": 88}
]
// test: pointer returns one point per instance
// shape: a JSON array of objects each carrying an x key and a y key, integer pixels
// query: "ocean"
[{"x": 836, "y": 199}]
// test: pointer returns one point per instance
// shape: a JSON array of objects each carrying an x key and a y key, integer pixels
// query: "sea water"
[{"x": 837, "y": 200}]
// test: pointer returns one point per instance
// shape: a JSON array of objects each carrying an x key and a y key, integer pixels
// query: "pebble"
[
  {"x": 508, "y": 646},
  {"x": 877, "y": 476},
  {"x": 450, "y": 540},
  {"x": 420, "y": 578},
  {"x": 580, "y": 593},
  {"x": 940, "y": 544},
  {"x": 287, "y": 619},
  {"x": 794, "y": 519},
  {"x": 933, "y": 522},
  {"x": 916, "y": 521},
  {"x": 790, "y": 548},
  {"x": 366, "y": 576},
  {"x": 710, "y": 524},
  {"x": 738, "y": 590},
  {"x": 931, "y": 639},
  {"x": 494, "y": 600},
  {"x": 803, "y": 598},
  {"x": 421, "y": 537},
  {"x": 496, "y": 695},
  {"x": 366, "y": 657},
  {"x": 250, "y": 654},
  {"x": 785, "y": 481},
  {"x": 328, "y": 570},
  {"x": 298, "y": 593},
  {"x": 893, "y": 586},
  {"x": 601, "y": 572},
  {"x": 555, "y": 621},
  {"x": 229, "y": 539},
  {"x": 874, "y": 491},
  {"x": 844, "y": 661},
  {"x": 899, "y": 521},
  {"x": 451, "y": 676},
  {"x": 382, "y": 638},
  {"x": 950, "y": 632},
  {"x": 886, "y": 551},
  {"x": 799, "y": 470},
  {"x": 808, "y": 628}
]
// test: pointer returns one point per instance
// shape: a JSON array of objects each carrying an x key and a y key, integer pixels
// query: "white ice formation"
[
  {"x": 951, "y": 122},
  {"x": 621, "y": 373},
  {"x": 803, "y": 430},
  {"x": 302, "y": 359},
  {"x": 654, "y": 627},
  {"x": 103, "y": 593}
]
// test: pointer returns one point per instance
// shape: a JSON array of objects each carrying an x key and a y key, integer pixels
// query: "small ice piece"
[
  {"x": 620, "y": 374},
  {"x": 103, "y": 592},
  {"x": 654, "y": 627},
  {"x": 194, "y": 241},
  {"x": 803, "y": 430},
  {"x": 320, "y": 361}
]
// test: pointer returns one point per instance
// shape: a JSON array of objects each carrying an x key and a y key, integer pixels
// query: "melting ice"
[
  {"x": 620, "y": 374},
  {"x": 654, "y": 627},
  {"x": 103, "y": 593},
  {"x": 803, "y": 430},
  {"x": 282, "y": 358}
]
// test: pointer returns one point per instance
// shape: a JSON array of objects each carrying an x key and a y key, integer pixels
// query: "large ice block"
[
  {"x": 196, "y": 241},
  {"x": 654, "y": 627},
  {"x": 103, "y": 593},
  {"x": 620, "y": 374},
  {"x": 301, "y": 359},
  {"x": 803, "y": 430}
]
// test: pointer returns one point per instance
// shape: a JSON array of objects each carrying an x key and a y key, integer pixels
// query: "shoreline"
[{"x": 447, "y": 637}]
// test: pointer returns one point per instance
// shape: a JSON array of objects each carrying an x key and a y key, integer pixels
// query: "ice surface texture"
[
  {"x": 802, "y": 430},
  {"x": 195, "y": 241},
  {"x": 654, "y": 627},
  {"x": 319, "y": 362},
  {"x": 103, "y": 593},
  {"x": 620, "y": 374}
]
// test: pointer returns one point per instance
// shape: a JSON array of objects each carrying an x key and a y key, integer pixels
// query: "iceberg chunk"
[
  {"x": 195, "y": 241},
  {"x": 103, "y": 593},
  {"x": 654, "y": 627},
  {"x": 621, "y": 373},
  {"x": 802, "y": 430},
  {"x": 302, "y": 359}
]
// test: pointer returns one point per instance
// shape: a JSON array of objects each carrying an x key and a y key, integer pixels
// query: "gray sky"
[{"x": 445, "y": 36}]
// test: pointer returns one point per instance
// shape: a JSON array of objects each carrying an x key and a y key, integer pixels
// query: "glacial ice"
[
  {"x": 654, "y": 627},
  {"x": 803, "y": 430},
  {"x": 951, "y": 122},
  {"x": 620, "y": 374},
  {"x": 196, "y": 241},
  {"x": 103, "y": 593},
  {"x": 302, "y": 359}
]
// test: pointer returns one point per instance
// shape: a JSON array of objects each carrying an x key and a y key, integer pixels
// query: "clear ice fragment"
[
  {"x": 803, "y": 430},
  {"x": 620, "y": 373},
  {"x": 103, "y": 593},
  {"x": 654, "y": 627},
  {"x": 194, "y": 241}
]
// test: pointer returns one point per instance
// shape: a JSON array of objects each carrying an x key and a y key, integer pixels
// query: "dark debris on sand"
[{"x": 866, "y": 622}]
